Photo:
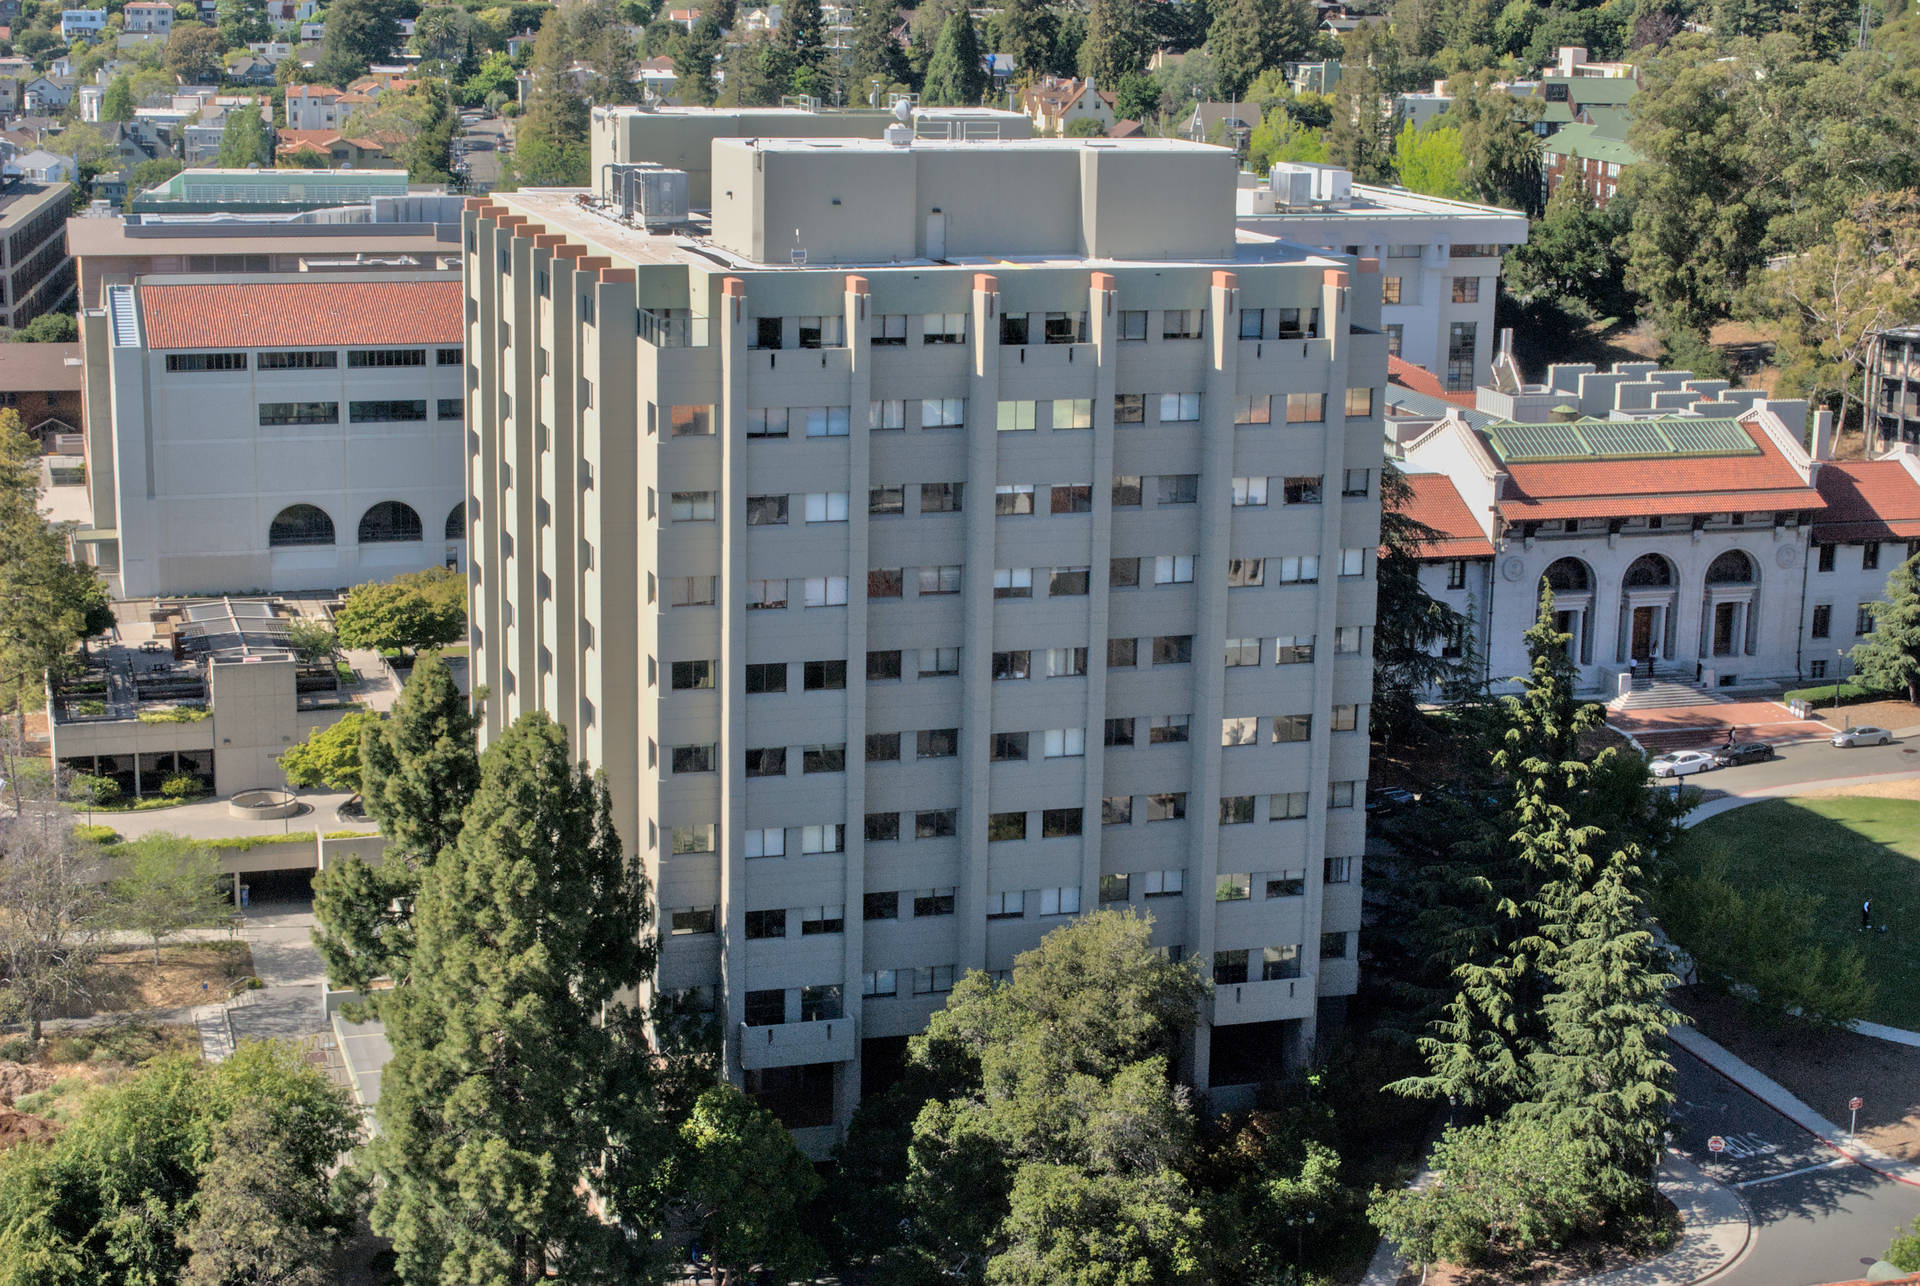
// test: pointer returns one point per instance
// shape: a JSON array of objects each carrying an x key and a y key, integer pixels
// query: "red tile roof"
[
  {"x": 1663, "y": 487},
  {"x": 1436, "y": 502},
  {"x": 321, "y": 314},
  {"x": 1867, "y": 500},
  {"x": 1421, "y": 380}
]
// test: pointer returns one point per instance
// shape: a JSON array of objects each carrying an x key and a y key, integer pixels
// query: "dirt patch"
[
  {"x": 1905, "y": 788},
  {"x": 189, "y": 973},
  {"x": 1824, "y": 1069},
  {"x": 1884, "y": 714},
  {"x": 17, "y": 1080},
  {"x": 17, "y": 1128}
]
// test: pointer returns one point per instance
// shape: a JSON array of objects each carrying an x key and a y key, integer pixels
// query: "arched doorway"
[
  {"x": 1571, "y": 581},
  {"x": 1727, "y": 616},
  {"x": 1646, "y": 610}
]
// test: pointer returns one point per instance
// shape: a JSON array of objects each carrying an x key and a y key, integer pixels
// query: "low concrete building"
[{"x": 43, "y": 382}]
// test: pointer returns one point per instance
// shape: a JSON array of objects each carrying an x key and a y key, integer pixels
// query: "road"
[
  {"x": 1810, "y": 763},
  {"x": 1817, "y": 1217}
]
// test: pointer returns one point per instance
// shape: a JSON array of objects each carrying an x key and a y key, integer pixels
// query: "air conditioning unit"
[
  {"x": 1291, "y": 184},
  {"x": 652, "y": 195}
]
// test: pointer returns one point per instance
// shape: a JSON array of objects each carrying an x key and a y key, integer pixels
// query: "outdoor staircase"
[{"x": 1663, "y": 691}]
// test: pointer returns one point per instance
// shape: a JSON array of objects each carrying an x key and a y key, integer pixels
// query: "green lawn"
[{"x": 1835, "y": 853}]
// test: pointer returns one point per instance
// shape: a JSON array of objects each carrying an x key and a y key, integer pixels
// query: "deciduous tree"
[
  {"x": 193, "y": 53},
  {"x": 55, "y": 915},
  {"x": 1429, "y": 160},
  {"x": 358, "y": 34},
  {"x": 330, "y": 756},
  {"x": 243, "y": 141},
  {"x": 165, "y": 883},
  {"x": 416, "y": 610}
]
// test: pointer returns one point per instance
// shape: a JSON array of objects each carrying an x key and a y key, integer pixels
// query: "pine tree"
[
  {"x": 955, "y": 76},
  {"x": 1117, "y": 41},
  {"x": 693, "y": 60},
  {"x": 1359, "y": 136},
  {"x": 801, "y": 33},
  {"x": 550, "y": 148},
  {"x": 1408, "y": 666},
  {"x": 1024, "y": 34},
  {"x": 876, "y": 54},
  {"x": 1890, "y": 656},
  {"x": 419, "y": 769},
  {"x": 518, "y": 1075},
  {"x": 1251, "y": 36}
]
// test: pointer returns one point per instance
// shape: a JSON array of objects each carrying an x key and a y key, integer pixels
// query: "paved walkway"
[
  {"x": 285, "y": 959},
  {"x": 211, "y": 820}
]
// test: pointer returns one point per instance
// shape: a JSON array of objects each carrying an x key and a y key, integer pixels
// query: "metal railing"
[{"x": 672, "y": 328}]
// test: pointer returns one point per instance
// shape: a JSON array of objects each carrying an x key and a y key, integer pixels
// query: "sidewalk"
[
  {"x": 1788, "y": 790},
  {"x": 210, "y": 819}
]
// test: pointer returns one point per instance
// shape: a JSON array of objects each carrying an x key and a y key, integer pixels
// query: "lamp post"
[{"x": 1839, "y": 672}]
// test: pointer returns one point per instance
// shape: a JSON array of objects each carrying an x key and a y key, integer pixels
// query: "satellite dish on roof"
[{"x": 903, "y": 111}]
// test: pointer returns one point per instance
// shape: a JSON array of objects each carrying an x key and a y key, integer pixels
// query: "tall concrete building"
[
  {"x": 938, "y": 541},
  {"x": 36, "y": 273}
]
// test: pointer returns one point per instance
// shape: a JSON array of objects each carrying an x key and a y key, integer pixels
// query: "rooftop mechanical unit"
[{"x": 651, "y": 195}]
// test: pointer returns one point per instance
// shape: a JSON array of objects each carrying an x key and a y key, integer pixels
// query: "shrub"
[
  {"x": 1850, "y": 691},
  {"x": 103, "y": 791},
  {"x": 1904, "y": 1253},
  {"x": 101, "y": 835},
  {"x": 16, "y": 1049},
  {"x": 175, "y": 714},
  {"x": 181, "y": 786}
]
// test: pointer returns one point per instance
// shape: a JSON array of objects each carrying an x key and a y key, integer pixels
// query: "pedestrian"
[
  {"x": 1730, "y": 732},
  {"x": 1866, "y": 915}
]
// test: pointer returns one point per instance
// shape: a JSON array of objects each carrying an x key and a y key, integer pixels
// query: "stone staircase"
[{"x": 1665, "y": 690}]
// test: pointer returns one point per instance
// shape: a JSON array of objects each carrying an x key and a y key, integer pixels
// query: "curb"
[{"x": 1708, "y": 1244}]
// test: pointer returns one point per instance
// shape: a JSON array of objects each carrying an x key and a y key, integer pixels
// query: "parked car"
[
  {"x": 1865, "y": 735},
  {"x": 1746, "y": 752},
  {"x": 1387, "y": 799},
  {"x": 1681, "y": 762}
]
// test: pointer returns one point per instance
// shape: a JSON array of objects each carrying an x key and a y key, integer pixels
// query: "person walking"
[{"x": 1866, "y": 915}]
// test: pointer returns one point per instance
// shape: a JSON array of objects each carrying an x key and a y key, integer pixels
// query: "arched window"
[
  {"x": 1568, "y": 576},
  {"x": 300, "y": 525},
  {"x": 457, "y": 522},
  {"x": 1649, "y": 571},
  {"x": 389, "y": 521},
  {"x": 1731, "y": 568}
]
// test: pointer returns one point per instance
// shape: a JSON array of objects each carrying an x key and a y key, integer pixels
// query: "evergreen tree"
[
  {"x": 745, "y": 1187},
  {"x": 518, "y": 1073},
  {"x": 1117, "y": 41},
  {"x": 758, "y": 71},
  {"x": 1252, "y": 36},
  {"x": 358, "y": 33},
  {"x": 1890, "y": 656},
  {"x": 428, "y": 151},
  {"x": 876, "y": 54},
  {"x": 243, "y": 22},
  {"x": 801, "y": 34},
  {"x": 550, "y": 147},
  {"x": 955, "y": 75},
  {"x": 1411, "y": 625},
  {"x": 243, "y": 141},
  {"x": 1023, "y": 31},
  {"x": 419, "y": 769},
  {"x": 1360, "y": 137},
  {"x": 693, "y": 60}
]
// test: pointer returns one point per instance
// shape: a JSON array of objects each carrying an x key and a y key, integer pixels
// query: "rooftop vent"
[{"x": 1296, "y": 183}]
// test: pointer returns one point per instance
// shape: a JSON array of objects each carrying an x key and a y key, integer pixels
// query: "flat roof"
[
  {"x": 1374, "y": 202},
  {"x": 26, "y": 198},
  {"x": 315, "y": 311},
  {"x": 41, "y": 368},
  {"x": 112, "y": 236}
]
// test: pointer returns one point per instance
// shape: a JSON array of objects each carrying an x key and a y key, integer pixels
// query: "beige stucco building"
[{"x": 938, "y": 541}]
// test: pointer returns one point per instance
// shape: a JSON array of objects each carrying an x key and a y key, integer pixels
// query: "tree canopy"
[{"x": 416, "y": 610}]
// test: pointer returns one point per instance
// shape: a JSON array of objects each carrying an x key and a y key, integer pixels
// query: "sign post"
[
  {"x": 1854, "y": 1105},
  {"x": 1716, "y": 1145}
]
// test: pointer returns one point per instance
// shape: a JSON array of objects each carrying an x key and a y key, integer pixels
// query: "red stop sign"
[
  {"x": 1716, "y": 1144},
  {"x": 1855, "y": 1103}
]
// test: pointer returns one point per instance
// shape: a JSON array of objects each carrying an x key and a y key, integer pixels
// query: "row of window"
[
  {"x": 1869, "y": 554},
  {"x": 1822, "y": 627},
  {"x": 378, "y": 411},
  {"x": 310, "y": 359},
  {"x": 1466, "y": 290},
  {"x": 890, "y": 330}
]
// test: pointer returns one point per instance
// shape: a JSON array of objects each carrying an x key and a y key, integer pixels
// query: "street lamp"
[{"x": 1839, "y": 672}]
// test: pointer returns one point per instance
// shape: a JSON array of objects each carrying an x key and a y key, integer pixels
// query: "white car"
[
  {"x": 1862, "y": 736},
  {"x": 1681, "y": 762}
]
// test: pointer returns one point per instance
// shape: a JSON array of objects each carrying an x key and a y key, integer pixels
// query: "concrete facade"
[
  {"x": 916, "y": 603},
  {"x": 36, "y": 273}
]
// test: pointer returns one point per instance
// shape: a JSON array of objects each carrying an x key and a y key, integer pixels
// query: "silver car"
[
  {"x": 1679, "y": 763},
  {"x": 1865, "y": 735}
]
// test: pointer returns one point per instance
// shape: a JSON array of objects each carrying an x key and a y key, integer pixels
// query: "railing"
[{"x": 672, "y": 328}]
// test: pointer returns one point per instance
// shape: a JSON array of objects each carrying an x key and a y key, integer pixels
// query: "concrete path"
[
  {"x": 284, "y": 957},
  {"x": 1714, "y": 1229},
  {"x": 216, "y": 1038},
  {"x": 211, "y": 820}
]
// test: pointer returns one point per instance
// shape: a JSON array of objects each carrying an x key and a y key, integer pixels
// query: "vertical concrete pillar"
[
  {"x": 859, "y": 324},
  {"x": 732, "y": 331},
  {"x": 976, "y": 647}
]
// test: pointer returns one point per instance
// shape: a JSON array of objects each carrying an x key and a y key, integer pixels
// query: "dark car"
[
  {"x": 1747, "y": 752},
  {"x": 1388, "y": 799}
]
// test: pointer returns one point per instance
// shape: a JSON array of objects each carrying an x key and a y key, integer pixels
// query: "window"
[
  {"x": 1302, "y": 570},
  {"x": 1346, "y": 639},
  {"x": 1306, "y": 408},
  {"x": 311, "y": 359},
  {"x": 1396, "y": 336},
  {"x": 1002, "y": 827},
  {"x": 1336, "y": 870},
  {"x": 1116, "y": 810},
  {"x": 1061, "y": 901},
  {"x": 1073, "y": 413},
  {"x": 1168, "y": 729},
  {"x": 695, "y": 421},
  {"x": 826, "y": 591},
  {"x": 1129, "y": 408},
  {"x": 1173, "y": 569},
  {"x": 1007, "y": 747},
  {"x": 1115, "y": 888},
  {"x": 1012, "y": 500},
  {"x": 1286, "y": 884},
  {"x": 197, "y": 363},
  {"x": 1359, "y": 401},
  {"x": 1173, "y": 649},
  {"x": 1077, "y": 499},
  {"x": 1353, "y": 562},
  {"x": 1249, "y": 492},
  {"x": 823, "y": 332},
  {"x": 937, "y": 743},
  {"x": 385, "y": 357},
  {"x": 1067, "y": 582},
  {"x": 1293, "y": 649},
  {"x": 1236, "y": 810},
  {"x": 936, "y": 661},
  {"x": 826, "y": 506},
  {"x": 300, "y": 525},
  {"x": 1013, "y": 328},
  {"x": 1256, "y": 408},
  {"x": 1252, "y": 321},
  {"x": 880, "y": 906},
  {"x": 692, "y": 759},
  {"x": 1290, "y": 327},
  {"x": 1133, "y": 324},
  {"x": 1870, "y": 556},
  {"x": 766, "y": 924},
  {"x": 1122, "y": 654},
  {"x": 1240, "y": 730},
  {"x": 1473, "y": 250},
  {"x": 816, "y": 920},
  {"x": 1826, "y": 554},
  {"x": 933, "y": 980},
  {"x": 766, "y": 511},
  {"x": 767, "y": 761},
  {"x": 886, "y": 582},
  {"x": 691, "y": 839},
  {"x": 1340, "y": 794},
  {"x": 768, "y": 842},
  {"x": 1012, "y": 665},
  {"x": 1290, "y": 807},
  {"x": 1015, "y": 417},
  {"x": 1123, "y": 573},
  {"x": 1245, "y": 572},
  {"x": 1182, "y": 323},
  {"x": 881, "y": 828},
  {"x": 1466, "y": 290},
  {"x": 449, "y": 408},
  {"x": 1066, "y": 662},
  {"x": 882, "y": 666},
  {"x": 1346, "y": 718},
  {"x": 1120, "y": 732},
  {"x": 1233, "y": 888},
  {"x": 1178, "y": 489},
  {"x": 1064, "y": 743},
  {"x": 1301, "y": 491},
  {"x": 768, "y": 332},
  {"x": 1126, "y": 491},
  {"x": 1461, "y": 341},
  {"x": 822, "y": 421},
  {"x": 943, "y": 328},
  {"x": 824, "y": 676},
  {"x": 1816, "y": 669},
  {"x": 930, "y": 902},
  {"x": 770, "y": 422},
  {"x": 1242, "y": 652},
  {"x": 766, "y": 1008},
  {"x": 1278, "y": 964},
  {"x": 692, "y": 675},
  {"x": 389, "y": 522},
  {"x": 943, "y": 412},
  {"x": 939, "y": 580},
  {"x": 693, "y": 919},
  {"x": 1293, "y": 727},
  {"x": 1390, "y": 290},
  {"x": 1822, "y": 620},
  {"x": 766, "y": 595},
  {"x": 1333, "y": 946},
  {"x": 819, "y": 759},
  {"x": 890, "y": 330},
  {"x": 273, "y": 414},
  {"x": 1863, "y": 619},
  {"x": 1066, "y": 328},
  {"x": 1229, "y": 967},
  {"x": 1457, "y": 573},
  {"x": 1006, "y": 906},
  {"x": 1013, "y": 582},
  {"x": 1179, "y": 408},
  {"x": 941, "y": 497}
]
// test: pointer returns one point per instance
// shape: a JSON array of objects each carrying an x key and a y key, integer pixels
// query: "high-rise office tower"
[{"x": 934, "y": 542}]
